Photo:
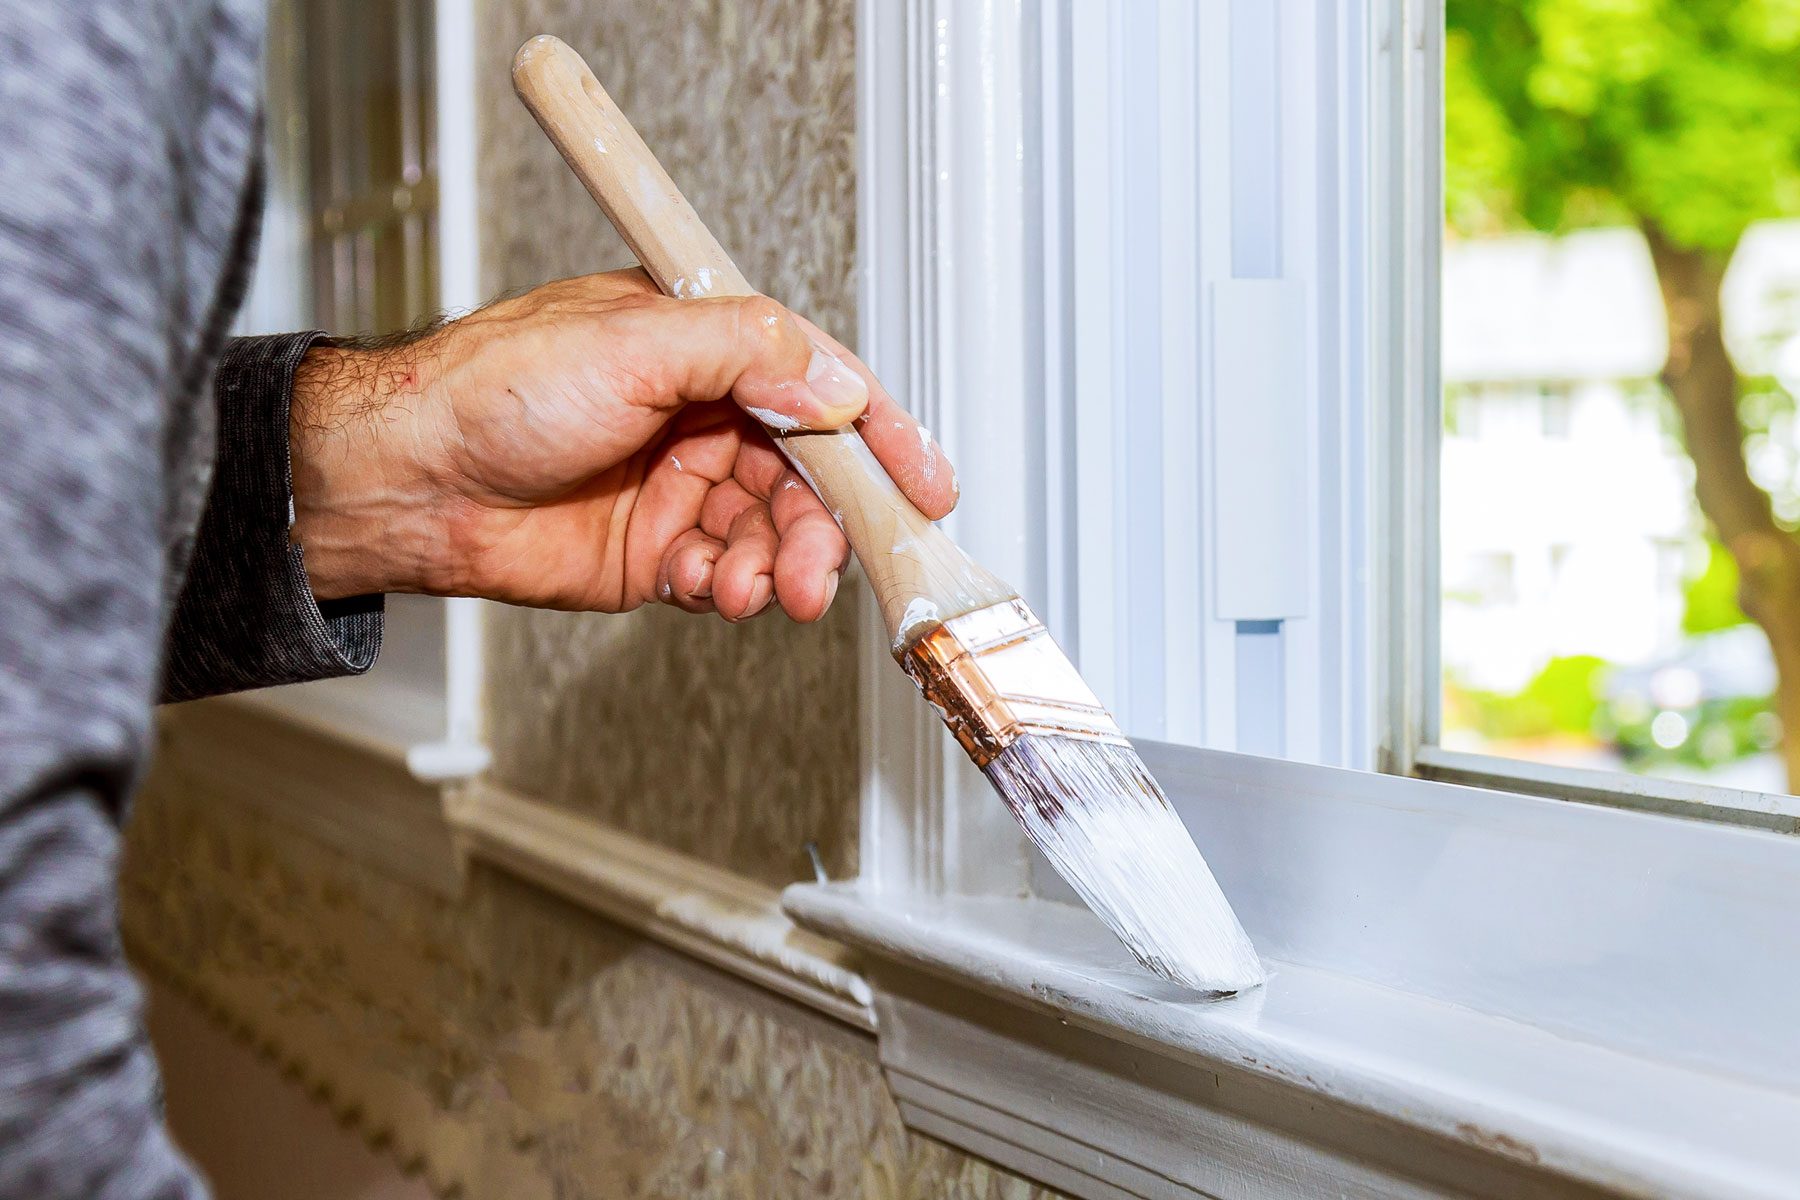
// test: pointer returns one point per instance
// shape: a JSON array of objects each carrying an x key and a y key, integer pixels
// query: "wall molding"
[
  {"x": 356, "y": 795},
  {"x": 712, "y": 914}
]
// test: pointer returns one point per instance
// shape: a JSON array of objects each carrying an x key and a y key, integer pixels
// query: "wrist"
[{"x": 362, "y": 509}]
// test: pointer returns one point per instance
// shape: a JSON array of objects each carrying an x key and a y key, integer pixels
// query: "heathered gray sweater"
[{"x": 128, "y": 204}]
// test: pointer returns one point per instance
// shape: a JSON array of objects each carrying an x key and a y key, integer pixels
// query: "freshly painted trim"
[
  {"x": 941, "y": 293},
  {"x": 458, "y": 149},
  {"x": 1021, "y": 1028},
  {"x": 1605, "y": 994},
  {"x": 711, "y": 913},
  {"x": 1405, "y": 229},
  {"x": 1674, "y": 797}
]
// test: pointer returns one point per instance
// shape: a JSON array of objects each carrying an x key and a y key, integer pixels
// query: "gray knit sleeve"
[{"x": 246, "y": 616}]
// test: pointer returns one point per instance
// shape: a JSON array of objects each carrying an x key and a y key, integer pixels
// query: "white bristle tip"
[{"x": 1099, "y": 817}]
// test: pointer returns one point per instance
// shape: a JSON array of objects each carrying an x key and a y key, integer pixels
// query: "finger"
[
  {"x": 747, "y": 347},
  {"x": 670, "y": 501},
  {"x": 813, "y": 551},
  {"x": 811, "y": 556},
  {"x": 687, "y": 571},
  {"x": 723, "y": 505},
  {"x": 744, "y": 580},
  {"x": 906, "y": 448},
  {"x": 759, "y": 466}
]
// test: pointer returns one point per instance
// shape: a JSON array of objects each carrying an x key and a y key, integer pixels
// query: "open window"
[{"x": 1618, "y": 344}]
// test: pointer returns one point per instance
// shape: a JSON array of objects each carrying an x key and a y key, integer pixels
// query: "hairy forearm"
[{"x": 364, "y": 515}]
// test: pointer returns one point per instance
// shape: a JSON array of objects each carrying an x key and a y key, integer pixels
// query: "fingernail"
[
  {"x": 835, "y": 385},
  {"x": 702, "y": 588},
  {"x": 831, "y": 586}
]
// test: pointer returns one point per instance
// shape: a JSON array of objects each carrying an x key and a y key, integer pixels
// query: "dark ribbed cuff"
[{"x": 246, "y": 616}]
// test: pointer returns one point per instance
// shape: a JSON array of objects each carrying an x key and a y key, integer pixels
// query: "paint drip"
[{"x": 779, "y": 422}]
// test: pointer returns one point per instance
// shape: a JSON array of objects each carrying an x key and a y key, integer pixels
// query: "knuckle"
[{"x": 764, "y": 324}]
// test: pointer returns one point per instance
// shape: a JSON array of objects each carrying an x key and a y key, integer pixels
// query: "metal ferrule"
[{"x": 996, "y": 674}]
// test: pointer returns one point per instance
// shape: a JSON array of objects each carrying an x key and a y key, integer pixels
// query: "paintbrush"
[{"x": 1007, "y": 692}]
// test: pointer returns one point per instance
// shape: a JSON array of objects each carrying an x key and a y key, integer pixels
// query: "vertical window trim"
[{"x": 948, "y": 293}]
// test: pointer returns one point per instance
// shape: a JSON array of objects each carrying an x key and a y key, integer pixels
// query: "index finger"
[{"x": 906, "y": 448}]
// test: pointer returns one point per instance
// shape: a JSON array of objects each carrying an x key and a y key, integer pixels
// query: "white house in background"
[{"x": 1568, "y": 518}]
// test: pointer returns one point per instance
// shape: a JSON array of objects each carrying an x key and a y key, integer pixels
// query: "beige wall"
[{"x": 494, "y": 1038}]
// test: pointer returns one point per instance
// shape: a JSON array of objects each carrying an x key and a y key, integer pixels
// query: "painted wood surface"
[{"x": 1485, "y": 971}]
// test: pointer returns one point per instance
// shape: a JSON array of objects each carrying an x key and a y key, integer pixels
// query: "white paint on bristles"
[{"x": 1099, "y": 817}]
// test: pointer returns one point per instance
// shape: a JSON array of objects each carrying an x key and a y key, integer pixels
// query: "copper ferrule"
[{"x": 996, "y": 674}]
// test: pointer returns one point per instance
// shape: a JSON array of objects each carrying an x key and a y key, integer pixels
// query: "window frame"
[
  {"x": 1379, "y": 879},
  {"x": 955, "y": 305}
]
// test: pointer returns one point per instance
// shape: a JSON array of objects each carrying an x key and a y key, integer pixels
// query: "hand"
[{"x": 568, "y": 448}]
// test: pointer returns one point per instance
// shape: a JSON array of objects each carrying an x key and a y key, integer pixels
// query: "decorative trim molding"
[
  {"x": 1158, "y": 1129},
  {"x": 702, "y": 910},
  {"x": 356, "y": 795},
  {"x": 351, "y": 1109}
]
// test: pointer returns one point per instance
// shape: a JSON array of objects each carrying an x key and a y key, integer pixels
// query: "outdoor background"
[{"x": 1621, "y": 353}]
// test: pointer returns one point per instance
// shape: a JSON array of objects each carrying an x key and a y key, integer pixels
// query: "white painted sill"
[{"x": 1473, "y": 993}]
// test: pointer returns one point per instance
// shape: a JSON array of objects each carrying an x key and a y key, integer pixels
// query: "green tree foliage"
[
  {"x": 1710, "y": 598},
  {"x": 1684, "y": 114},
  {"x": 1563, "y": 698},
  {"x": 1681, "y": 117}
]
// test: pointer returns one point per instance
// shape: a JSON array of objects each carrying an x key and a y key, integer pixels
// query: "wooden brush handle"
[{"x": 919, "y": 575}]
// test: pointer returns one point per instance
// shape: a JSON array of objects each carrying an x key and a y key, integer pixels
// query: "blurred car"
[{"x": 1708, "y": 703}]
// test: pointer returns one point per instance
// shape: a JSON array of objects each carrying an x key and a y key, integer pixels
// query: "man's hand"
[{"x": 576, "y": 447}]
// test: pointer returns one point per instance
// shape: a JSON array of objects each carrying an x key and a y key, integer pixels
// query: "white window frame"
[
  {"x": 428, "y": 715},
  {"x": 1474, "y": 992}
]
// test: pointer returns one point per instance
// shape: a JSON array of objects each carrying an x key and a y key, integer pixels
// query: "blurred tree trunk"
[{"x": 1704, "y": 383}]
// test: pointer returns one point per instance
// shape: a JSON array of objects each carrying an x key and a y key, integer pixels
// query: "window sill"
[
  {"x": 378, "y": 715},
  {"x": 1315, "y": 1063},
  {"x": 1474, "y": 994}
]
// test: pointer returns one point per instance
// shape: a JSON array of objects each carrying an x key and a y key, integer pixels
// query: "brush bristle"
[{"x": 1099, "y": 817}]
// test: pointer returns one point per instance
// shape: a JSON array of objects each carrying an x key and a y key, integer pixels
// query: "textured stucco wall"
[
  {"x": 735, "y": 744},
  {"x": 506, "y": 1044}
]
